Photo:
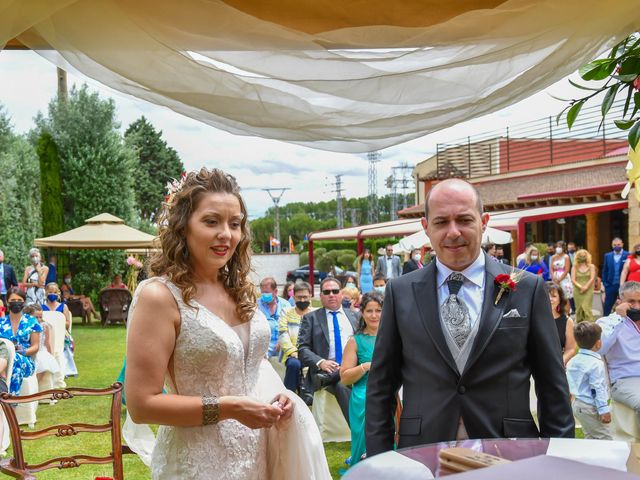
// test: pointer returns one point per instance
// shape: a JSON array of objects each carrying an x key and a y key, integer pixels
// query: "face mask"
[
  {"x": 67, "y": 281},
  {"x": 267, "y": 297},
  {"x": 379, "y": 289},
  {"x": 346, "y": 303},
  {"x": 52, "y": 297},
  {"x": 35, "y": 260},
  {"x": 617, "y": 249},
  {"x": 632, "y": 313},
  {"x": 350, "y": 285},
  {"x": 637, "y": 253},
  {"x": 302, "y": 305},
  {"x": 534, "y": 257},
  {"x": 417, "y": 257},
  {"x": 16, "y": 307},
  {"x": 559, "y": 250},
  {"x": 581, "y": 260}
]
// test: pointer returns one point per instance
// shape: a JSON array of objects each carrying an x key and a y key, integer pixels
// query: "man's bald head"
[{"x": 453, "y": 185}]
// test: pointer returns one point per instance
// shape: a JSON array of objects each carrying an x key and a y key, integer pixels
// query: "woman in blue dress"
[
  {"x": 24, "y": 331},
  {"x": 356, "y": 362},
  {"x": 365, "y": 276},
  {"x": 533, "y": 263}
]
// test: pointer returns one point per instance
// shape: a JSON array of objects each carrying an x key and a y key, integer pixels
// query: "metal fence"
[{"x": 539, "y": 143}]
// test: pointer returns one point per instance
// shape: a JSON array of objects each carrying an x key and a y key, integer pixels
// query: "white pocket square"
[{"x": 512, "y": 314}]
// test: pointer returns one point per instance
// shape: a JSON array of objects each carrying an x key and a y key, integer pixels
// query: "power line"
[
  {"x": 372, "y": 204},
  {"x": 339, "y": 210}
]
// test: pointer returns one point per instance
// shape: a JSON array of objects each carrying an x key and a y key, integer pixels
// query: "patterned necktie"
[
  {"x": 455, "y": 313},
  {"x": 337, "y": 338}
]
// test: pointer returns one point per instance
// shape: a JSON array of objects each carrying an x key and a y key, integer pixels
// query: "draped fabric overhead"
[{"x": 350, "y": 76}]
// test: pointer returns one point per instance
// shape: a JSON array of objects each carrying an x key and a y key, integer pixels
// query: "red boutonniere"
[{"x": 507, "y": 283}]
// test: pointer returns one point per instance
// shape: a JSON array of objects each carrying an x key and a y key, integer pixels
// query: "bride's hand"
[
  {"x": 286, "y": 404},
  {"x": 255, "y": 414}
]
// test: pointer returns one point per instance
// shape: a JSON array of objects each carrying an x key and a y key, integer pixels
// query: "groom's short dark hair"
[{"x": 479, "y": 204}]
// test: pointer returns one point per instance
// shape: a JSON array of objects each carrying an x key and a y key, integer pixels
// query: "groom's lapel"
[
  {"x": 321, "y": 317},
  {"x": 426, "y": 297},
  {"x": 491, "y": 313}
]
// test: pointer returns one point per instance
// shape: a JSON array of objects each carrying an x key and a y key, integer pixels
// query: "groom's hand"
[{"x": 328, "y": 366}]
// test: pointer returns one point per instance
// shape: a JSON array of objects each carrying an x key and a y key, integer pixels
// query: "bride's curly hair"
[{"x": 172, "y": 259}]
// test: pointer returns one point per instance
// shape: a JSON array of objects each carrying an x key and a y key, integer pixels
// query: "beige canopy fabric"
[
  {"x": 343, "y": 76},
  {"x": 103, "y": 231}
]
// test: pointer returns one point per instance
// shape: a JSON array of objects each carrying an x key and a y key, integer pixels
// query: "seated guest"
[
  {"x": 532, "y": 263},
  {"x": 379, "y": 283},
  {"x": 414, "y": 263},
  {"x": 321, "y": 340},
  {"x": 621, "y": 347},
  {"x": 24, "y": 331},
  {"x": 273, "y": 308},
  {"x": 288, "y": 334},
  {"x": 69, "y": 294},
  {"x": 564, "y": 324},
  {"x": 117, "y": 282},
  {"x": 287, "y": 293},
  {"x": 356, "y": 363},
  {"x": 351, "y": 298},
  {"x": 45, "y": 362},
  {"x": 588, "y": 383}
]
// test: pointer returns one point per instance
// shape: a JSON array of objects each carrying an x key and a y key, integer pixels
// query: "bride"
[{"x": 194, "y": 330}]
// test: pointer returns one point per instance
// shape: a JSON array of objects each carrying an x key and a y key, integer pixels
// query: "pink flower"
[
  {"x": 131, "y": 260},
  {"x": 636, "y": 83}
]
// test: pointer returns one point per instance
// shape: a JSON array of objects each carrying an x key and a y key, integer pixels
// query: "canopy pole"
[
  {"x": 521, "y": 237},
  {"x": 360, "y": 245},
  {"x": 311, "y": 276}
]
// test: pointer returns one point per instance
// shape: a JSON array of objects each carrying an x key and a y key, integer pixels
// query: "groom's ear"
[
  {"x": 423, "y": 220},
  {"x": 485, "y": 221}
]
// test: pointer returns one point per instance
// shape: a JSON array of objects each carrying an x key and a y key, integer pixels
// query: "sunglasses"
[{"x": 335, "y": 291}]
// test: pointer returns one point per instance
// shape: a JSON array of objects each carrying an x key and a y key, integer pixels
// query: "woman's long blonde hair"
[{"x": 172, "y": 259}]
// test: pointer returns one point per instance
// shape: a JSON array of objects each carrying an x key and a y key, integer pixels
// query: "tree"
[
  {"x": 157, "y": 164},
  {"x": 99, "y": 174},
  {"x": 19, "y": 195},
  {"x": 50, "y": 186}
]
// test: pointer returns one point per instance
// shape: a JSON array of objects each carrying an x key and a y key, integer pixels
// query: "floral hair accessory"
[
  {"x": 174, "y": 186},
  {"x": 507, "y": 282}
]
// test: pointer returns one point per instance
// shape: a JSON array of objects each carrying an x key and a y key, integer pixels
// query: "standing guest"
[
  {"x": 490, "y": 249},
  {"x": 53, "y": 304},
  {"x": 117, "y": 282},
  {"x": 561, "y": 270},
  {"x": 611, "y": 272},
  {"x": 389, "y": 264},
  {"x": 194, "y": 327},
  {"x": 68, "y": 294},
  {"x": 379, "y": 283},
  {"x": 631, "y": 268},
  {"x": 414, "y": 263},
  {"x": 8, "y": 278},
  {"x": 500, "y": 255},
  {"x": 621, "y": 347},
  {"x": 551, "y": 251},
  {"x": 532, "y": 264},
  {"x": 521, "y": 257},
  {"x": 24, "y": 331},
  {"x": 583, "y": 277},
  {"x": 34, "y": 278},
  {"x": 52, "y": 275},
  {"x": 45, "y": 362},
  {"x": 272, "y": 306},
  {"x": 321, "y": 341},
  {"x": 463, "y": 347},
  {"x": 588, "y": 383},
  {"x": 288, "y": 334},
  {"x": 571, "y": 251},
  {"x": 354, "y": 370},
  {"x": 564, "y": 324},
  {"x": 364, "y": 270},
  {"x": 287, "y": 293}
]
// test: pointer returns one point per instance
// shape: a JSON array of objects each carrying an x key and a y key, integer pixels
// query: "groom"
[{"x": 463, "y": 359}]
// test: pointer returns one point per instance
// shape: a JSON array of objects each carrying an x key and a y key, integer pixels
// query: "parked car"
[{"x": 302, "y": 273}]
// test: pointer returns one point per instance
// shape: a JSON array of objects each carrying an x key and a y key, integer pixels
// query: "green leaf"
[
  {"x": 559, "y": 116},
  {"x": 636, "y": 103},
  {"x": 609, "y": 97},
  {"x": 634, "y": 135},
  {"x": 624, "y": 124},
  {"x": 582, "y": 87},
  {"x": 627, "y": 102},
  {"x": 630, "y": 66},
  {"x": 573, "y": 112},
  {"x": 598, "y": 69}
]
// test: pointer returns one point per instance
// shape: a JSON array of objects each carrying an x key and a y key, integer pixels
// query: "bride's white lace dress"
[{"x": 209, "y": 358}]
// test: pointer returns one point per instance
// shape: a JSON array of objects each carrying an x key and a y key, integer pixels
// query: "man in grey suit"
[
  {"x": 389, "y": 264},
  {"x": 322, "y": 337},
  {"x": 462, "y": 352}
]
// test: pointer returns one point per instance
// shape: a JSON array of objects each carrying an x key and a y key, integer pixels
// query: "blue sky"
[{"x": 28, "y": 82}]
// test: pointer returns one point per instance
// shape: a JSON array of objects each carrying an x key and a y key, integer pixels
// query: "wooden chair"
[
  {"x": 114, "y": 305},
  {"x": 4, "y": 440},
  {"x": 77, "y": 310},
  {"x": 56, "y": 322},
  {"x": 17, "y": 467}
]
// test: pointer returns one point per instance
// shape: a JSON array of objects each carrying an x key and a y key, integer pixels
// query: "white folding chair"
[
  {"x": 329, "y": 418},
  {"x": 57, "y": 322},
  {"x": 5, "y": 440}
]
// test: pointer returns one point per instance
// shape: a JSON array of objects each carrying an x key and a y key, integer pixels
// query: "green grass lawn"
[{"x": 99, "y": 355}]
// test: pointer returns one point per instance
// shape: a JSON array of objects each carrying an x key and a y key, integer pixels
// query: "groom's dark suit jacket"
[{"x": 492, "y": 393}]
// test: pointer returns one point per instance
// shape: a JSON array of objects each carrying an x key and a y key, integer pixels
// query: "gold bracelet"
[{"x": 210, "y": 410}]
